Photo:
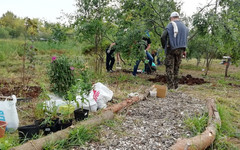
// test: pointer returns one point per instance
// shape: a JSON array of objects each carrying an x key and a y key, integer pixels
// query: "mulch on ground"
[{"x": 155, "y": 123}]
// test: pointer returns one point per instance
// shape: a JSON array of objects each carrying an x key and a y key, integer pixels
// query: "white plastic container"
[{"x": 153, "y": 93}]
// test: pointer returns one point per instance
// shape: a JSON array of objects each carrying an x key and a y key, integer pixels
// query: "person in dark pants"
[
  {"x": 110, "y": 59},
  {"x": 147, "y": 45},
  {"x": 174, "y": 41}
]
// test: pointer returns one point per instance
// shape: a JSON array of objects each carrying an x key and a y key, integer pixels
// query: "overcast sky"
[{"x": 50, "y": 10}]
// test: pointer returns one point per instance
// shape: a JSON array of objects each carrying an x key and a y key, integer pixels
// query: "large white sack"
[
  {"x": 101, "y": 94},
  {"x": 9, "y": 113},
  {"x": 89, "y": 104},
  {"x": 58, "y": 101},
  {"x": 55, "y": 101}
]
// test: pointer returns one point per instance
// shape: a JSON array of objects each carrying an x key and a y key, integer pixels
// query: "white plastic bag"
[
  {"x": 9, "y": 113},
  {"x": 58, "y": 101},
  {"x": 102, "y": 94},
  {"x": 89, "y": 104}
]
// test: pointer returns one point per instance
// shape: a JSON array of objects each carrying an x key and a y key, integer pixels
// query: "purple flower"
[
  {"x": 54, "y": 58},
  {"x": 72, "y": 68}
]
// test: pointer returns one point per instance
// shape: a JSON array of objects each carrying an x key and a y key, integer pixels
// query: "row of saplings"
[{"x": 50, "y": 120}]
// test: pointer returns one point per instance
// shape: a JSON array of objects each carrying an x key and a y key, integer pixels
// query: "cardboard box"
[{"x": 161, "y": 90}]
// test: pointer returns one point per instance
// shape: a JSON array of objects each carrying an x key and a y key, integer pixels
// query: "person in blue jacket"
[{"x": 174, "y": 41}]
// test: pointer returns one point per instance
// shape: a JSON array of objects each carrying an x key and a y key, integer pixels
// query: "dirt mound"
[
  {"x": 188, "y": 79},
  {"x": 234, "y": 85},
  {"x": 13, "y": 88}
]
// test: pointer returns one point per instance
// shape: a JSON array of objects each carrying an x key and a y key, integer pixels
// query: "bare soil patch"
[
  {"x": 8, "y": 88},
  {"x": 188, "y": 79}
]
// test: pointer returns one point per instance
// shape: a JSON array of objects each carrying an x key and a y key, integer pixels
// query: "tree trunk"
[
  {"x": 198, "y": 61},
  {"x": 227, "y": 66},
  {"x": 207, "y": 65}
]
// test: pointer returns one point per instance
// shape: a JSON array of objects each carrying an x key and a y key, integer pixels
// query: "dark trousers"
[
  {"x": 149, "y": 57},
  {"x": 110, "y": 59},
  {"x": 172, "y": 63}
]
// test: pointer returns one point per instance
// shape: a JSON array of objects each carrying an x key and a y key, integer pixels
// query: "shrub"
[{"x": 61, "y": 75}]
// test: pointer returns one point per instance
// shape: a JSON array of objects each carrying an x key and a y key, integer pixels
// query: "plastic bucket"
[
  {"x": 161, "y": 91},
  {"x": 3, "y": 125}
]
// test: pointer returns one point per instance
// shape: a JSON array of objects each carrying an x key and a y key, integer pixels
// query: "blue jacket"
[{"x": 170, "y": 42}]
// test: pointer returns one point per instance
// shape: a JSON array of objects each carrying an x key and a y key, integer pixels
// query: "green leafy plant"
[
  {"x": 39, "y": 110},
  {"x": 83, "y": 84},
  {"x": 197, "y": 124},
  {"x": 61, "y": 75},
  {"x": 8, "y": 141}
]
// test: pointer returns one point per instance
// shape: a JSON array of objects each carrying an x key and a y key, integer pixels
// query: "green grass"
[
  {"x": 191, "y": 67},
  {"x": 8, "y": 141},
  {"x": 77, "y": 137},
  {"x": 225, "y": 130},
  {"x": 13, "y": 47},
  {"x": 197, "y": 124}
]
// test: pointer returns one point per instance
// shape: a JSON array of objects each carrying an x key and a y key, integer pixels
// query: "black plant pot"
[
  {"x": 80, "y": 114},
  {"x": 39, "y": 123},
  {"x": 27, "y": 132},
  {"x": 64, "y": 124},
  {"x": 49, "y": 128}
]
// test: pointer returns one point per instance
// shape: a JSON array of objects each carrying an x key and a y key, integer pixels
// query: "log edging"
[
  {"x": 107, "y": 114},
  {"x": 205, "y": 139}
]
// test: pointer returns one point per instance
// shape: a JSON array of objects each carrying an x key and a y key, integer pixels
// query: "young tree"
[
  {"x": 138, "y": 16},
  {"x": 91, "y": 26},
  {"x": 219, "y": 26}
]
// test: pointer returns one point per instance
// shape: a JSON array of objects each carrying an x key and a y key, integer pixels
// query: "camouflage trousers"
[{"x": 172, "y": 63}]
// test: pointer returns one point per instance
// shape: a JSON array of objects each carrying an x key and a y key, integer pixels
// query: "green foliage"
[
  {"x": 226, "y": 130},
  {"x": 2, "y": 56},
  {"x": 134, "y": 18},
  {"x": 61, "y": 75},
  {"x": 77, "y": 137},
  {"x": 40, "y": 110},
  {"x": 218, "y": 31},
  {"x": 197, "y": 124},
  {"x": 83, "y": 84},
  {"x": 8, "y": 141},
  {"x": 4, "y": 33},
  {"x": 59, "y": 33}
]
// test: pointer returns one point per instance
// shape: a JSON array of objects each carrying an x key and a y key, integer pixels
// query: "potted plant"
[
  {"x": 65, "y": 117},
  {"x": 39, "y": 113},
  {"x": 3, "y": 125},
  {"x": 84, "y": 87},
  {"x": 50, "y": 118},
  {"x": 28, "y": 132}
]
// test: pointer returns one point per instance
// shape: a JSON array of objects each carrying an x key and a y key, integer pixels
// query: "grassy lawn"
[{"x": 122, "y": 84}]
